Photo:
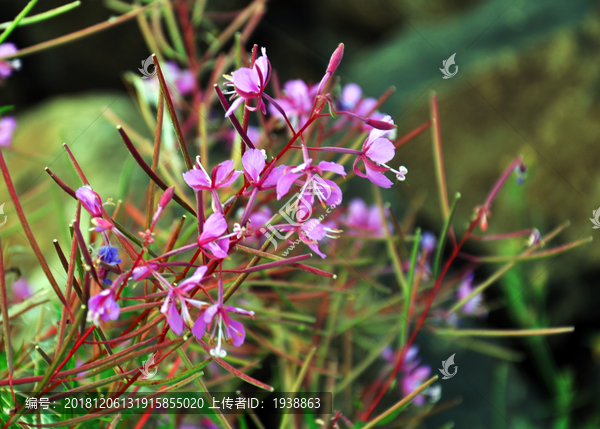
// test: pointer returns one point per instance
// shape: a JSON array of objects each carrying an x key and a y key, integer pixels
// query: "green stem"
[
  {"x": 442, "y": 241},
  {"x": 16, "y": 21},
  {"x": 42, "y": 16}
]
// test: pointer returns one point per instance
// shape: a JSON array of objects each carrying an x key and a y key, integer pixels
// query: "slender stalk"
[
  {"x": 400, "y": 404},
  {"x": 438, "y": 157},
  {"x": 442, "y": 240},
  {"x": 77, "y": 34},
  {"x": 16, "y": 21},
  {"x": 32, "y": 242},
  {"x": 6, "y": 324},
  {"x": 503, "y": 332},
  {"x": 173, "y": 114},
  {"x": 138, "y": 158},
  {"x": 298, "y": 382},
  {"x": 42, "y": 16}
]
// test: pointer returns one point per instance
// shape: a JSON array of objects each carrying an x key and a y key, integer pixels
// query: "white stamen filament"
[{"x": 399, "y": 174}]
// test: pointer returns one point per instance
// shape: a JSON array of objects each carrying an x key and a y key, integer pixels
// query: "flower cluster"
[{"x": 310, "y": 179}]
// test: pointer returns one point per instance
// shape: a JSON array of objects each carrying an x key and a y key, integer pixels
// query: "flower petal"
[
  {"x": 214, "y": 227},
  {"x": 197, "y": 180},
  {"x": 199, "y": 327},
  {"x": 175, "y": 320},
  {"x": 285, "y": 183},
  {"x": 236, "y": 103},
  {"x": 246, "y": 81},
  {"x": 210, "y": 312},
  {"x": 236, "y": 332},
  {"x": 253, "y": 162},
  {"x": 332, "y": 166},
  {"x": 381, "y": 150},
  {"x": 378, "y": 178}
]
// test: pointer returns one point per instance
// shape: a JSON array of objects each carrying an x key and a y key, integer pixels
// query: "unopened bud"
[
  {"x": 101, "y": 225},
  {"x": 167, "y": 196},
  {"x": 380, "y": 125},
  {"x": 336, "y": 58}
]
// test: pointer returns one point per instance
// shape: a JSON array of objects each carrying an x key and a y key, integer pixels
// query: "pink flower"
[
  {"x": 222, "y": 176},
  {"x": 7, "y": 67},
  {"x": 90, "y": 200},
  {"x": 376, "y": 151},
  {"x": 310, "y": 233},
  {"x": 366, "y": 220},
  {"x": 413, "y": 376},
  {"x": 225, "y": 327},
  {"x": 144, "y": 271},
  {"x": 103, "y": 306},
  {"x": 21, "y": 290},
  {"x": 210, "y": 242},
  {"x": 7, "y": 128},
  {"x": 473, "y": 306},
  {"x": 253, "y": 163},
  {"x": 250, "y": 83},
  {"x": 327, "y": 191},
  {"x": 297, "y": 102},
  {"x": 352, "y": 101},
  {"x": 179, "y": 293}
]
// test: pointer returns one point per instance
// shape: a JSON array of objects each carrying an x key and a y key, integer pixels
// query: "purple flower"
[
  {"x": 104, "y": 306},
  {"x": 7, "y": 67},
  {"x": 7, "y": 128},
  {"x": 225, "y": 328},
  {"x": 326, "y": 190},
  {"x": 222, "y": 176},
  {"x": 210, "y": 242},
  {"x": 182, "y": 79},
  {"x": 144, "y": 271},
  {"x": 474, "y": 305},
  {"x": 297, "y": 102},
  {"x": 310, "y": 232},
  {"x": 21, "y": 290},
  {"x": 351, "y": 100},
  {"x": 178, "y": 293},
  {"x": 253, "y": 163},
  {"x": 260, "y": 217},
  {"x": 364, "y": 219},
  {"x": 90, "y": 200},
  {"x": 413, "y": 376},
  {"x": 413, "y": 380},
  {"x": 428, "y": 242},
  {"x": 109, "y": 255},
  {"x": 250, "y": 83},
  {"x": 376, "y": 151}
]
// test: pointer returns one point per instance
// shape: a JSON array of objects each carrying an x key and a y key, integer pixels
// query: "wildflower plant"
[{"x": 194, "y": 274}]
